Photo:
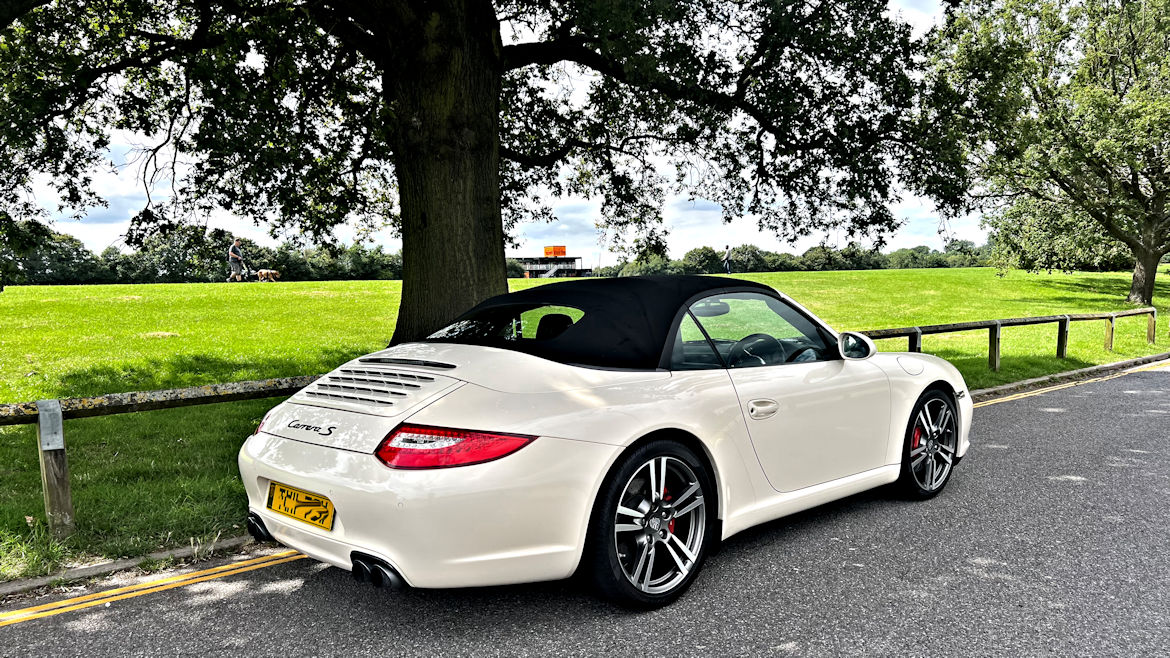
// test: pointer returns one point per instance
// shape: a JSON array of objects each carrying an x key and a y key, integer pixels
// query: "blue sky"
[{"x": 691, "y": 223}]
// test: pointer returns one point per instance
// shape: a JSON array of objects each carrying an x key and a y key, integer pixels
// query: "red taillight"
[{"x": 418, "y": 446}]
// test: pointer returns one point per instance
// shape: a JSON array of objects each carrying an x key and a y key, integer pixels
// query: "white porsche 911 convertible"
[{"x": 616, "y": 428}]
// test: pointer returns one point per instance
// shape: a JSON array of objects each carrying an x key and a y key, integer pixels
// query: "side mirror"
[{"x": 855, "y": 347}]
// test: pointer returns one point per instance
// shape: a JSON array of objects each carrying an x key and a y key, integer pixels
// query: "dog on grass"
[{"x": 267, "y": 275}]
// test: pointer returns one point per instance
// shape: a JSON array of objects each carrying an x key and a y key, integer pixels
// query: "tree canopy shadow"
[{"x": 182, "y": 370}]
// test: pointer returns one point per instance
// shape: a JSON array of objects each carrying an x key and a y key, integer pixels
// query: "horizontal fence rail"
[
  {"x": 25, "y": 413},
  {"x": 994, "y": 330},
  {"x": 49, "y": 415}
]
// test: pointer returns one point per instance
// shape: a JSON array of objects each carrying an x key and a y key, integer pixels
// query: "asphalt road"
[{"x": 1052, "y": 538}]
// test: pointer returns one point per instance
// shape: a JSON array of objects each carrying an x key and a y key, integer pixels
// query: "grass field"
[{"x": 165, "y": 478}]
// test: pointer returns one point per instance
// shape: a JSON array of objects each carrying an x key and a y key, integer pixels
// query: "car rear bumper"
[{"x": 521, "y": 518}]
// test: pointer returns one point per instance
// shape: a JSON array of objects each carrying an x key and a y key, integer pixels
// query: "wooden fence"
[
  {"x": 49, "y": 415},
  {"x": 995, "y": 327}
]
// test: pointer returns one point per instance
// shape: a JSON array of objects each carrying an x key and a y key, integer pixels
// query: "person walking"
[
  {"x": 236, "y": 261},
  {"x": 727, "y": 258}
]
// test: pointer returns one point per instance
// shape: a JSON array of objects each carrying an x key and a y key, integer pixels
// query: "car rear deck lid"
[{"x": 373, "y": 389}]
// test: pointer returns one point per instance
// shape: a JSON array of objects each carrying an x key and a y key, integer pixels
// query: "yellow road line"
[
  {"x": 146, "y": 585},
  {"x": 182, "y": 580},
  {"x": 1049, "y": 389}
]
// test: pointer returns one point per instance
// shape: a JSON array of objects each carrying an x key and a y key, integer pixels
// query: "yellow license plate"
[{"x": 301, "y": 505}]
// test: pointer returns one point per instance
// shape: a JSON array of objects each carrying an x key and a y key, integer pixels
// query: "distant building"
[{"x": 554, "y": 263}]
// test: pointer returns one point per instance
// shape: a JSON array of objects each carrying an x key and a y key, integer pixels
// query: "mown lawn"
[{"x": 165, "y": 478}]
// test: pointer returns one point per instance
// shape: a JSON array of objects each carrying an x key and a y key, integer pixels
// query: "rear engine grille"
[{"x": 372, "y": 387}]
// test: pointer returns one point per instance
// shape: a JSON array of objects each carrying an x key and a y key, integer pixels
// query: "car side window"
[
  {"x": 691, "y": 350},
  {"x": 751, "y": 330}
]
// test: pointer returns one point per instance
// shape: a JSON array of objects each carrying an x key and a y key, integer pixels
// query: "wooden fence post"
[
  {"x": 916, "y": 340},
  {"x": 1062, "y": 338},
  {"x": 993, "y": 336},
  {"x": 1152, "y": 327},
  {"x": 1109, "y": 323},
  {"x": 54, "y": 468}
]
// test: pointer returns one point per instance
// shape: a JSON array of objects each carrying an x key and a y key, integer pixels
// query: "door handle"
[{"x": 763, "y": 408}]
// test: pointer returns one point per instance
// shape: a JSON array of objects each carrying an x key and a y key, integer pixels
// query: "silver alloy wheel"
[
  {"x": 659, "y": 524},
  {"x": 933, "y": 444}
]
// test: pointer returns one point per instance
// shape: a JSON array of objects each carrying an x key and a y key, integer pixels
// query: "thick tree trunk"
[
  {"x": 446, "y": 161},
  {"x": 1145, "y": 269}
]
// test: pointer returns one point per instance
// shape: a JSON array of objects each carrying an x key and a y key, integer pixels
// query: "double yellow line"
[
  {"x": 131, "y": 591},
  {"x": 1042, "y": 391}
]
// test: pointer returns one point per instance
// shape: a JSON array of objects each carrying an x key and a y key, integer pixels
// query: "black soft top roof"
[{"x": 626, "y": 322}]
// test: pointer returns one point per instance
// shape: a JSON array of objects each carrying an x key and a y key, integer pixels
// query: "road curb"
[
  {"x": 1039, "y": 382},
  {"x": 114, "y": 566}
]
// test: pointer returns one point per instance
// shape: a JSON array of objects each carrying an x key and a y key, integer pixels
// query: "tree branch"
[{"x": 576, "y": 50}]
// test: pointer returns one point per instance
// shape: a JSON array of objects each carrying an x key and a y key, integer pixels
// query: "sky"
[{"x": 690, "y": 223}]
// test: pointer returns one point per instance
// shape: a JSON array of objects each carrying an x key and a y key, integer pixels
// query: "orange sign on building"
[{"x": 555, "y": 251}]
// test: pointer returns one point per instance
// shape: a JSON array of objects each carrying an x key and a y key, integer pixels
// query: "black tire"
[
  {"x": 607, "y": 549},
  {"x": 939, "y": 448}
]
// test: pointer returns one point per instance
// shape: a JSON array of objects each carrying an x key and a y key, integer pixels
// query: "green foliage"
[
  {"x": 1034, "y": 236},
  {"x": 17, "y": 238},
  {"x": 702, "y": 260},
  {"x": 515, "y": 268},
  {"x": 917, "y": 258},
  {"x": 653, "y": 264},
  {"x": 611, "y": 270},
  {"x": 284, "y": 113},
  {"x": 750, "y": 258},
  {"x": 190, "y": 254},
  {"x": 1060, "y": 111},
  {"x": 783, "y": 262}
]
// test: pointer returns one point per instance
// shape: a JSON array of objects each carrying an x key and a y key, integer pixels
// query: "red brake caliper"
[
  {"x": 666, "y": 497},
  {"x": 917, "y": 437}
]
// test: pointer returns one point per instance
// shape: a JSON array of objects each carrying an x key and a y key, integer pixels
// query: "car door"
[{"x": 813, "y": 417}]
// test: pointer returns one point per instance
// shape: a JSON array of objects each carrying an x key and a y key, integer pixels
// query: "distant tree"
[
  {"x": 292, "y": 263},
  {"x": 62, "y": 259},
  {"x": 821, "y": 258},
  {"x": 324, "y": 263},
  {"x": 653, "y": 264},
  {"x": 515, "y": 269},
  {"x": 964, "y": 253},
  {"x": 782, "y": 262},
  {"x": 917, "y": 257},
  {"x": 856, "y": 257},
  {"x": 1061, "y": 111},
  {"x": 362, "y": 262},
  {"x": 17, "y": 239},
  {"x": 703, "y": 260},
  {"x": 610, "y": 270},
  {"x": 748, "y": 258}
]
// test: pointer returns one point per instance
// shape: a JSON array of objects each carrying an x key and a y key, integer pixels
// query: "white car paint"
[{"x": 524, "y": 517}]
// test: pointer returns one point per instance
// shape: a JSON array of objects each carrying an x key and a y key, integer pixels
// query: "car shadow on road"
[{"x": 475, "y": 610}]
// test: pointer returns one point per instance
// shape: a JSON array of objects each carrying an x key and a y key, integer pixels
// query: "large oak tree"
[
  {"x": 449, "y": 120},
  {"x": 1061, "y": 109}
]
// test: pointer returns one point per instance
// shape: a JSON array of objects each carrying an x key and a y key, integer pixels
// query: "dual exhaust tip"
[
  {"x": 369, "y": 569},
  {"x": 366, "y": 568},
  {"x": 257, "y": 529}
]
